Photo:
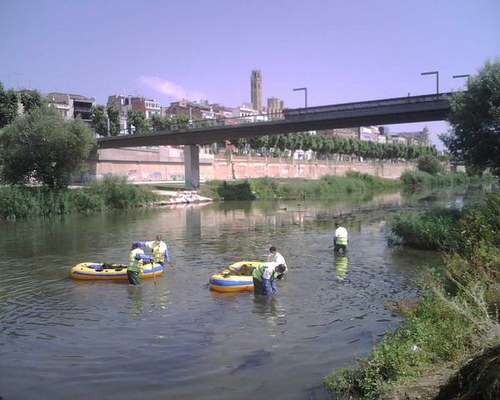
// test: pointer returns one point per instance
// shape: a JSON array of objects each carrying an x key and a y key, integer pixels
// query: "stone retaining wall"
[{"x": 157, "y": 165}]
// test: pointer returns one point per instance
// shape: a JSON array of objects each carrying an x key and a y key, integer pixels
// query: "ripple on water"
[{"x": 173, "y": 338}]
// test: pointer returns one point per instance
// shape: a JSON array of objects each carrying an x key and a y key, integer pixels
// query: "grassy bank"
[
  {"x": 298, "y": 189},
  {"x": 116, "y": 193},
  {"x": 110, "y": 193},
  {"x": 458, "y": 315},
  {"x": 418, "y": 179}
]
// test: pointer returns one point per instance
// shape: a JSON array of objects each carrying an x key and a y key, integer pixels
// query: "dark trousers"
[
  {"x": 258, "y": 287},
  {"x": 339, "y": 247},
  {"x": 133, "y": 278}
]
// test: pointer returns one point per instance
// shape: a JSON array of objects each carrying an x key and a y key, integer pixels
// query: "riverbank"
[
  {"x": 455, "y": 320},
  {"x": 327, "y": 187}
]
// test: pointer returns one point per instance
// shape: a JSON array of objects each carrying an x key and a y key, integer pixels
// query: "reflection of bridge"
[{"x": 432, "y": 107}]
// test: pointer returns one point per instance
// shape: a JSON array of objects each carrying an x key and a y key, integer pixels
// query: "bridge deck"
[{"x": 367, "y": 113}]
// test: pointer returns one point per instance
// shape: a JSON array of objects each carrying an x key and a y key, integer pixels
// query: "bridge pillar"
[{"x": 192, "y": 166}]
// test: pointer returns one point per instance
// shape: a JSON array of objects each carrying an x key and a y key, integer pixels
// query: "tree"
[
  {"x": 44, "y": 146},
  {"x": 430, "y": 164},
  {"x": 8, "y": 106},
  {"x": 100, "y": 120},
  {"x": 475, "y": 121},
  {"x": 31, "y": 99},
  {"x": 137, "y": 122},
  {"x": 114, "y": 120}
]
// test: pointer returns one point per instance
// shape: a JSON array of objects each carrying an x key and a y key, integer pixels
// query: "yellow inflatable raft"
[
  {"x": 105, "y": 271},
  {"x": 235, "y": 278}
]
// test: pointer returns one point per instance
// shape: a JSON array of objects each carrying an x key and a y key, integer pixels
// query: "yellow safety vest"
[
  {"x": 133, "y": 263},
  {"x": 157, "y": 253}
]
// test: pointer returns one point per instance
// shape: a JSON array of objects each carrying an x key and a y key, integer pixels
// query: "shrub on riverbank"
[
  {"x": 297, "y": 188},
  {"x": 458, "y": 313},
  {"x": 418, "y": 179},
  {"x": 435, "y": 229},
  {"x": 110, "y": 193}
]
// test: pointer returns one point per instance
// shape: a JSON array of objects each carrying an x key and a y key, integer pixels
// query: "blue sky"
[{"x": 342, "y": 51}]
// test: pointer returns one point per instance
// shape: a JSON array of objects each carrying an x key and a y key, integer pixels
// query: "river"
[{"x": 173, "y": 338}]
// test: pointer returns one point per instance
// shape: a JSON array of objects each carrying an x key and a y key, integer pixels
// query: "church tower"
[{"x": 256, "y": 90}]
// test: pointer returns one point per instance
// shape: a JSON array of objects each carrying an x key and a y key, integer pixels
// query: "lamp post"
[
  {"x": 437, "y": 78},
  {"x": 463, "y": 76},
  {"x": 305, "y": 93}
]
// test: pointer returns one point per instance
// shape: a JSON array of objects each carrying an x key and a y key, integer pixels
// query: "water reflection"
[
  {"x": 135, "y": 295},
  {"x": 341, "y": 264},
  {"x": 269, "y": 309}
]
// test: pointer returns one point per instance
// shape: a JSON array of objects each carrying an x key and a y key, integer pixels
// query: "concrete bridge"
[{"x": 431, "y": 107}]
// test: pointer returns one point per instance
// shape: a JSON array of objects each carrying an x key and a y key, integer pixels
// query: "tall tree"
[
  {"x": 475, "y": 121},
  {"x": 100, "y": 120},
  {"x": 44, "y": 146},
  {"x": 31, "y": 99},
  {"x": 8, "y": 106},
  {"x": 114, "y": 120}
]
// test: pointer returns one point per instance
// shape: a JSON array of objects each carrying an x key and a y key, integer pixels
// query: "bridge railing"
[
  {"x": 367, "y": 104},
  {"x": 213, "y": 123}
]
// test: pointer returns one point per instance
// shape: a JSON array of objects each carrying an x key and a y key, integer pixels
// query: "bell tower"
[{"x": 256, "y": 89}]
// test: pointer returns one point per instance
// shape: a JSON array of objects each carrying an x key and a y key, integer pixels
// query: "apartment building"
[
  {"x": 72, "y": 105},
  {"x": 149, "y": 107},
  {"x": 124, "y": 105}
]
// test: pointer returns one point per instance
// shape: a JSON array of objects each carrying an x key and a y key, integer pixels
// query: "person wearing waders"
[
  {"x": 264, "y": 278},
  {"x": 135, "y": 263},
  {"x": 340, "y": 238}
]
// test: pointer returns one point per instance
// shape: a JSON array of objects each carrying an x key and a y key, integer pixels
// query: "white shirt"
[
  {"x": 268, "y": 270},
  {"x": 161, "y": 244},
  {"x": 277, "y": 258},
  {"x": 341, "y": 232}
]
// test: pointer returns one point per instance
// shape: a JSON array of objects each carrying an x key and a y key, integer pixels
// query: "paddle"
[{"x": 153, "y": 266}]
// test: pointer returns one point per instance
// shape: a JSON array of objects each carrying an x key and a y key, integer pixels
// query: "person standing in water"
[{"x": 340, "y": 238}]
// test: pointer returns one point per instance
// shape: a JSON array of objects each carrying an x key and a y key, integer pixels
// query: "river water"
[{"x": 173, "y": 338}]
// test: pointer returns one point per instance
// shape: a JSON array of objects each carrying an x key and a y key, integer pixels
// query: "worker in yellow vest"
[
  {"x": 264, "y": 277},
  {"x": 340, "y": 238},
  {"x": 134, "y": 267},
  {"x": 159, "y": 249}
]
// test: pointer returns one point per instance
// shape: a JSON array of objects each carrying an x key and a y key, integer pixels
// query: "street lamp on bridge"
[
  {"x": 305, "y": 93},
  {"x": 463, "y": 76},
  {"x": 437, "y": 78}
]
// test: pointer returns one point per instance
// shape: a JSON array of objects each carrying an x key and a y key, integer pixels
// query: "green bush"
[
  {"x": 434, "y": 229},
  {"x": 418, "y": 179},
  {"x": 430, "y": 164},
  {"x": 118, "y": 194},
  {"x": 85, "y": 201},
  {"x": 16, "y": 202},
  {"x": 111, "y": 193}
]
